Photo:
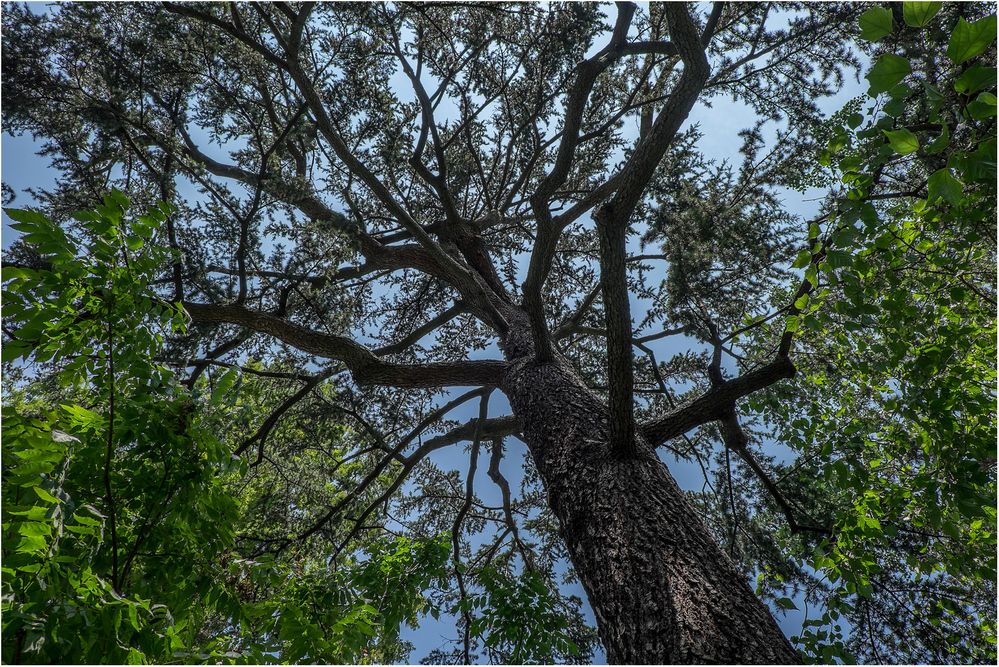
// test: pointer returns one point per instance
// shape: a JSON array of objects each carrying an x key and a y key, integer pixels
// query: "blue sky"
[{"x": 21, "y": 168}]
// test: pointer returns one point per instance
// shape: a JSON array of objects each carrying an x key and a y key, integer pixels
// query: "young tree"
[{"x": 472, "y": 195}]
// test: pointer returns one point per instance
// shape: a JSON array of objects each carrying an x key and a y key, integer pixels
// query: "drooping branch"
[
  {"x": 262, "y": 433},
  {"x": 459, "y": 521},
  {"x": 735, "y": 439},
  {"x": 500, "y": 480},
  {"x": 422, "y": 331},
  {"x": 364, "y": 365},
  {"x": 395, "y": 455}
]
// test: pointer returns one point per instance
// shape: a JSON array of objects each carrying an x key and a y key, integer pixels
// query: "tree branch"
[
  {"x": 613, "y": 219},
  {"x": 713, "y": 404},
  {"x": 497, "y": 427},
  {"x": 548, "y": 233},
  {"x": 364, "y": 365}
]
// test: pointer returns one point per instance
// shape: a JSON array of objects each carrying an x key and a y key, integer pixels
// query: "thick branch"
[
  {"x": 363, "y": 364},
  {"x": 713, "y": 404},
  {"x": 544, "y": 247},
  {"x": 613, "y": 218}
]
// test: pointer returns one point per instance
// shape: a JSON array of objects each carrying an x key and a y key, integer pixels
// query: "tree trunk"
[{"x": 662, "y": 591}]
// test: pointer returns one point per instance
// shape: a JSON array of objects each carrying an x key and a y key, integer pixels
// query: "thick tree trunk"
[{"x": 661, "y": 589}]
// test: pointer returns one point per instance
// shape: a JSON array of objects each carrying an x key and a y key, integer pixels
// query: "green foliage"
[
  {"x": 894, "y": 415},
  {"x": 887, "y": 71},
  {"x": 876, "y": 23},
  {"x": 121, "y": 505},
  {"x": 887, "y": 424},
  {"x": 523, "y": 619},
  {"x": 902, "y": 141},
  {"x": 971, "y": 39}
]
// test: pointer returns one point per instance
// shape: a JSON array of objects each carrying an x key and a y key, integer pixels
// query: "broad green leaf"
[
  {"x": 839, "y": 258},
  {"x": 975, "y": 78},
  {"x": 35, "y": 529},
  {"x": 31, "y": 220},
  {"x": 888, "y": 71},
  {"x": 918, "y": 14},
  {"x": 942, "y": 184},
  {"x": 982, "y": 107},
  {"x": 875, "y": 23},
  {"x": 971, "y": 39},
  {"x": 45, "y": 495},
  {"x": 786, "y": 603},
  {"x": 902, "y": 141}
]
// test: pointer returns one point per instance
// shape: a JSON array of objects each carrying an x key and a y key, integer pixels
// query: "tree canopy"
[{"x": 257, "y": 337}]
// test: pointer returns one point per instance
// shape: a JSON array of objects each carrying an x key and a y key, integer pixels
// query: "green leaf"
[
  {"x": 30, "y": 220},
  {"x": 982, "y": 107},
  {"x": 918, "y": 14},
  {"x": 802, "y": 260},
  {"x": 902, "y": 141},
  {"x": 34, "y": 529},
  {"x": 943, "y": 184},
  {"x": 839, "y": 258},
  {"x": 45, "y": 495},
  {"x": 971, "y": 39},
  {"x": 223, "y": 385},
  {"x": 975, "y": 78},
  {"x": 786, "y": 603},
  {"x": 888, "y": 71},
  {"x": 31, "y": 544},
  {"x": 119, "y": 198},
  {"x": 133, "y": 617},
  {"x": 933, "y": 97},
  {"x": 875, "y": 23}
]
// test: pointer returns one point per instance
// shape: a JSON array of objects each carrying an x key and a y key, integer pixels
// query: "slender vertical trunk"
[{"x": 661, "y": 589}]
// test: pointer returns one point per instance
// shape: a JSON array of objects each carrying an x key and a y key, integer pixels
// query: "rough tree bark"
[{"x": 662, "y": 590}]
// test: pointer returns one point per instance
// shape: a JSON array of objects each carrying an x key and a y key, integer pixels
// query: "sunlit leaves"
[
  {"x": 900, "y": 411},
  {"x": 523, "y": 619},
  {"x": 902, "y": 141},
  {"x": 145, "y": 578}
]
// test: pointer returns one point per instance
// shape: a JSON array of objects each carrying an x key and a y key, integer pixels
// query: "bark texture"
[{"x": 661, "y": 589}]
